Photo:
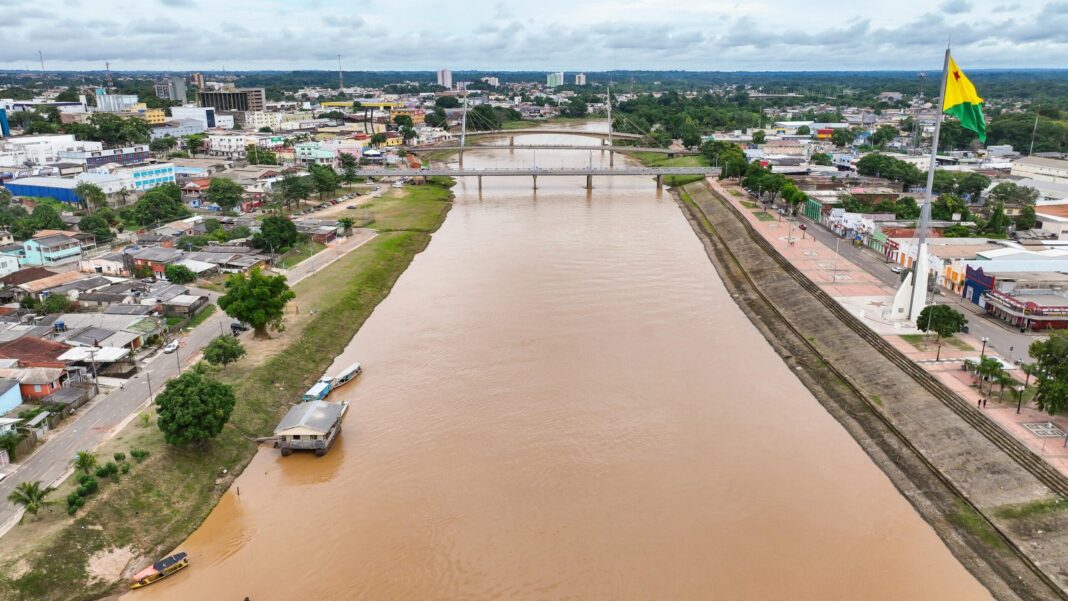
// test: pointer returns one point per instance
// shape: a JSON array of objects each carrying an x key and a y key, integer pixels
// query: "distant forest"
[{"x": 1040, "y": 85}]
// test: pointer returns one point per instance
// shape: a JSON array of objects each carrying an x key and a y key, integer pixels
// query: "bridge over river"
[{"x": 535, "y": 172}]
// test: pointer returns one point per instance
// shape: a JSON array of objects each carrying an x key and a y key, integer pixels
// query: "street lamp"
[
  {"x": 834, "y": 269},
  {"x": 1019, "y": 397},
  {"x": 982, "y": 354}
]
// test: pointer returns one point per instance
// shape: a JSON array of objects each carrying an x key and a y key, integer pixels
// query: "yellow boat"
[{"x": 160, "y": 570}]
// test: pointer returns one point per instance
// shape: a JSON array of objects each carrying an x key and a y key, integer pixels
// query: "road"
[
  {"x": 328, "y": 255},
  {"x": 96, "y": 422},
  {"x": 1004, "y": 340}
]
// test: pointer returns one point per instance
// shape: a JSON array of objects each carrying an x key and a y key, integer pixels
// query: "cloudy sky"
[{"x": 570, "y": 35}]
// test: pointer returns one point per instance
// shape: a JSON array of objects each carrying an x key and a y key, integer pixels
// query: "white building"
[
  {"x": 139, "y": 178},
  {"x": 445, "y": 78},
  {"x": 114, "y": 103},
  {"x": 555, "y": 79},
  {"x": 204, "y": 114},
  {"x": 580, "y": 79},
  {"x": 261, "y": 119},
  {"x": 177, "y": 129},
  {"x": 1050, "y": 170},
  {"x": 37, "y": 150},
  {"x": 493, "y": 81}
]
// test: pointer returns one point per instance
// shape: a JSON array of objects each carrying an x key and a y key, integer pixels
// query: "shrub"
[
  {"x": 119, "y": 457},
  {"x": 89, "y": 487},
  {"x": 126, "y": 468},
  {"x": 139, "y": 454},
  {"x": 75, "y": 500},
  {"x": 84, "y": 479},
  {"x": 102, "y": 472}
]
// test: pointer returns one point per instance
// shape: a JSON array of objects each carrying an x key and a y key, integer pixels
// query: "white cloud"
[{"x": 550, "y": 34}]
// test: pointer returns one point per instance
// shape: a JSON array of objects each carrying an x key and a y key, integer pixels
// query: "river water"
[{"x": 561, "y": 401}]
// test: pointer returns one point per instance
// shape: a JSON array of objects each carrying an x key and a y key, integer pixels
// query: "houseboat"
[
  {"x": 160, "y": 570},
  {"x": 348, "y": 374},
  {"x": 319, "y": 391},
  {"x": 311, "y": 426}
]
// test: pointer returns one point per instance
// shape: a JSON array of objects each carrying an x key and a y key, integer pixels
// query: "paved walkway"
[{"x": 868, "y": 295}]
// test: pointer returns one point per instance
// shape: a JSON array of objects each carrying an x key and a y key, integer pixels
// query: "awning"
[{"x": 107, "y": 354}]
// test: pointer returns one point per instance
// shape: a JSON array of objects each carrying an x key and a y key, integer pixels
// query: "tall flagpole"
[{"x": 920, "y": 269}]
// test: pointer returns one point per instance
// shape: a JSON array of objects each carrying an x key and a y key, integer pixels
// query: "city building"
[
  {"x": 580, "y": 79},
  {"x": 114, "y": 103},
  {"x": 418, "y": 115},
  {"x": 493, "y": 81},
  {"x": 445, "y": 78},
  {"x": 1040, "y": 168},
  {"x": 1029, "y": 301},
  {"x": 197, "y": 79},
  {"x": 261, "y": 119},
  {"x": 204, "y": 115},
  {"x": 61, "y": 189},
  {"x": 46, "y": 251},
  {"x": 39, "y": 150},
  {"x": 178, "y": 128},
  {"x": 93, "y": 159},
  {"x": 172, "y": 89},
  {"x": 236, "y": 99},
  {"x": 554, "y": 79}
]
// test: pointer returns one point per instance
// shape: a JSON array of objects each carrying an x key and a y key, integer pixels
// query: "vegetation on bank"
[
  {"x": 655, "y": 159},
  {"x": 165, "y": 498}
]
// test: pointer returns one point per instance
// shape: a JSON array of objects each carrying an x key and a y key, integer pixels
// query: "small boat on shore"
[
  {"x": 348, "y": 374},
  {"x": 160, "y": 570}
]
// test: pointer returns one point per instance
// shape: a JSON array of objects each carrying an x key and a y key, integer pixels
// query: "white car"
[{"x": 171, "y": 347}]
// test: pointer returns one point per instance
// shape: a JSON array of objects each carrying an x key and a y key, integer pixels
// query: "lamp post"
[
  {"x": 982, "y": 354},
  {"x": 834, "y": 268},
  {"x": 1019, "y": 397}
]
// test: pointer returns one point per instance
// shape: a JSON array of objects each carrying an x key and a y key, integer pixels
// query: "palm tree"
[
  {"x": 91, "y": 195},
  {"x": 30, "y": 496},
  {"x": 85, "y": 461},
  {"x": 1004, "y": 379},
  {"x": 378, "y": 140},
  {"x": 345, "y": 223}
]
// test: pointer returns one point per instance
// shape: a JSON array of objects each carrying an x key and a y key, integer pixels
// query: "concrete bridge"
[
  {"x": 513, "y": 146},
  {"x": 550, "y": 131},
  {"x": 535, "y": 172}
]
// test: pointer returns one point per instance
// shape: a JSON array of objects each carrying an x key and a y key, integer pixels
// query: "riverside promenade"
[{"x": 866, "y": 297}]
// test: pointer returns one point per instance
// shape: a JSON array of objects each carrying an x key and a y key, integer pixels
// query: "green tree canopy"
[
  {"x": 276, "y": 233},
  {"x": 884, "y": 135},
  {"x": 821, "y": 158},
  {"x": 47, "y": 218},
  {"x": 160, "y": 205},
  {"x": 225, "y": 192},
  {"x": 256, "y": 299},
  {"x": 179, "y": 274},
  {"x": 56, "y": 303},
  {"x": 193, "y": 408},
  {"x": 759, "y": 137},
  {"x": 943, "y": 320},
  {"x": 223, "y": 350},
  {"x": 1010, "y": 193},
  {"x": 804, "y": 130},
  {"x": 1051, "y": 370},
  {"x": 447, "y": 102},
  {"x": 91, "y": 195},
  {"x": 31, "y": 496},
  {"x": 97, "y": 226},
  {"x": 881, "y": 165},
  {"x": 842, "y": 137}
]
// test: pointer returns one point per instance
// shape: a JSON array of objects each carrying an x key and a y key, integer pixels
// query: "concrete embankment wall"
[{"x": 952, "y": 464}]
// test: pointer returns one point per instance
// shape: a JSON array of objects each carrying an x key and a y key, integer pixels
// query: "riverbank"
[
  {"x": 656, "y": 159},
  {"x": 968, "y": 487},
  {"x": 140, "y": 516}
]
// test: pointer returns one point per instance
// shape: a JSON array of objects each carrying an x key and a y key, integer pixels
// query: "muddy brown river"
[{"x": 561, "y": 401}]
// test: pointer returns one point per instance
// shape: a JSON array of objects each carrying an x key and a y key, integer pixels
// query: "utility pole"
[
  {"x": 609, "y": 102},
  {"x": 40, "y": 55},
  {"x": 1034, "y": 131},
  {"x": 340, "y": 76}
]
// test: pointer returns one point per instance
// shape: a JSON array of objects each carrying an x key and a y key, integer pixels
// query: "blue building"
[
  {"x": 45, "y": 251},
  {"x": 10, "y": 395},
  {"x": 41, "y": 187}
]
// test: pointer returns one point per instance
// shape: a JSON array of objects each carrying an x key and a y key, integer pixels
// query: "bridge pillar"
[
  {"x": 589, "y": 182},
  {"x": 461, "y": 157},
  {"x": 611, "y": 158},
  {"x": 660, "y": 182},
  {"x": 511, "y": 141},
  {"x": 535, "y": 182},
  {"x": 480, "y": 183}
]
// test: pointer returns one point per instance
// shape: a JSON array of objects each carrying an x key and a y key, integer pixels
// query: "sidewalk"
[{"x": 863, "y": 295}]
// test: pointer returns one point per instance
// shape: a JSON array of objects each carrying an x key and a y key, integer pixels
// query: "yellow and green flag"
[{"x": 963, "y": 102}]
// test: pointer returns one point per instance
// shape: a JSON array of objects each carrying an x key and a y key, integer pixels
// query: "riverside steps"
[{"x": 962, "y": 473}]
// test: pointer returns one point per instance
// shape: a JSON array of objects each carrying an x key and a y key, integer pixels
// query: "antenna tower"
[{"x": 111, "y": 82}]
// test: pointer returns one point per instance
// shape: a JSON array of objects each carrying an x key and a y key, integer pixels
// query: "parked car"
[
  {"x": 171, "y": 347},
  {"x": 895, "y": 269},
  {"x": 350, "y": 206}
]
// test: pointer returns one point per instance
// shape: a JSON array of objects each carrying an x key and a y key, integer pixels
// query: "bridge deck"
[
  {"x": 615, "y": 148},
  {"x": 529, "y": 171}
]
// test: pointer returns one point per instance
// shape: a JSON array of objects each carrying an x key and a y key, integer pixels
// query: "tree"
[
  {"x": 97, "y": 226},
  {"x": 91, "y": 195},
  {"x": 47, "y": 218},
  {"x": 225, "y": 192},
  {"x": 447, "y": 102},
  {"x": 377, "y": 140},
  {"x": 325, "y": 179},
  {"x": 160, "y": 205},
  {"x": 195, "y": 143},
  {"x": 56, "y": 303},
  {"x": 346, "y": 224},
  {"x": 259, "y": 156},
  {"x": 576, "y": 107},
  {"x": 437, "y": 118},
  {"x": 804, "y": 130},
  {"x": 971, "y": 185},
  {"x": 1051, "y": 371},
  {"x": 1027, "y": 218},
  {"x": 193, "y": 408},
  {"x": 164, "y": 144},
  {"x": 31, "y": 496},
  {"x": 276, "y": 233},
  {"x": 883, "y": 135},
  {"x": 842, "y": 137},
  {"x": 759, "y": 137},
  {"x": 293, "y": 188},
  {"x": 349, "y": 165},
  {"x": 948, "y": 205},
  {"x": 881, "y": 165},
  {"x": 223, "y": 350},
  {"x": 1012, "y": 194},
  {"x": 943, "y": 320},
  {"x": 85, "y": 461},
  {"x": 821, "y": 158},
  {"x": 998, "y": 222},
  {"x": 403, "y": 120},
  {"x": 256, "y": 299},
  {"x": 179, "y": 274}
]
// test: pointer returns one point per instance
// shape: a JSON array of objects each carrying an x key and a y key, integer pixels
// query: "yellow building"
[
  {"x": 418, "y": 115},
  {"x": 154, "y": 116}
]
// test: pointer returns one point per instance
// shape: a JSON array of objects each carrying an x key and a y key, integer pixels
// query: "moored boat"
[
  {"x": 160, "y": 570},
  {"x": 348, "y": 374}
]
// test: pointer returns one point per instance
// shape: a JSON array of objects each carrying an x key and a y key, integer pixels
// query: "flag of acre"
[{"x": 963, "y": 102}]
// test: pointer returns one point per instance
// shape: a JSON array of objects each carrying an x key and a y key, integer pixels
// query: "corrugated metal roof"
[{"x": 314, "y": 415}]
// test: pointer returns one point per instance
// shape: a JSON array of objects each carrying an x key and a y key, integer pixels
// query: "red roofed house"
[{"x": 31, "y": 351}]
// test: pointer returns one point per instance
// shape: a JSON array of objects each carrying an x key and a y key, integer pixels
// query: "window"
[{"x": 37, "y": 388}]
